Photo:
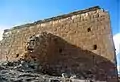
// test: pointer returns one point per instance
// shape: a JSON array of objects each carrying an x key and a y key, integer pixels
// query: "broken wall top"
[{"x": 56, "y": 18}]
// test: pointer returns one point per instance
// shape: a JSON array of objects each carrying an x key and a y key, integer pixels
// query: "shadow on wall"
[{"x": 57, "y": 56}]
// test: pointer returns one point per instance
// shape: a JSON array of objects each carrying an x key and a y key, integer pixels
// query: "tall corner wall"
[{"x": 88, "y": 30}]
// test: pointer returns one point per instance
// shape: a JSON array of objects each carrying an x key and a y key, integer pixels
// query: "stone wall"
[{"x": 84, "y": 40}]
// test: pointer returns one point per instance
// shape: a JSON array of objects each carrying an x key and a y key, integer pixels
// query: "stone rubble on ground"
[{"x": 26, "y": 71}]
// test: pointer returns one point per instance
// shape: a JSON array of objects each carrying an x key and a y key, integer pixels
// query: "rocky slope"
[
  {"x": 26, "y": 71},
  {"x": 23, "y": 71}
]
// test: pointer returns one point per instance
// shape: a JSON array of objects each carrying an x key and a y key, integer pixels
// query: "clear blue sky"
[{"x": 15, "y": 12}]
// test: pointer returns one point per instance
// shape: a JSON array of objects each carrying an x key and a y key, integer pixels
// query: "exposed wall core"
[{"x": 79, "y": 42}]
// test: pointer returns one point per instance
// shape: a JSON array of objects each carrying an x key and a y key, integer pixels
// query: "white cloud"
[
  {"x": 118, "y": 67},
  {"x": 1, "y": 33},
  {"x": 2, "y": 30},
  {"x": 116, "y": 39}
]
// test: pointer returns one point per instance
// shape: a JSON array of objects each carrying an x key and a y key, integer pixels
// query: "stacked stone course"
[{"x": 84, "y": 37}]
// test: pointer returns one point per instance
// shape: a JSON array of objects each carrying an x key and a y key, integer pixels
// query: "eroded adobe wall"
[{"x": 87, "y": 30}]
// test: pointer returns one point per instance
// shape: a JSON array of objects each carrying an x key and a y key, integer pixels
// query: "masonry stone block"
[{"x": 77, "y": 42}]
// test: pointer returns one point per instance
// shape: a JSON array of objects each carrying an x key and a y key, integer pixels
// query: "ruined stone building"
[{"x": 79, "y": 42}]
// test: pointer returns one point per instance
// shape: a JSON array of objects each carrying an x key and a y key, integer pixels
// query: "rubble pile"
[
  {"x": 27, "y": 71},
  {"x": 22, "y": 71}
]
